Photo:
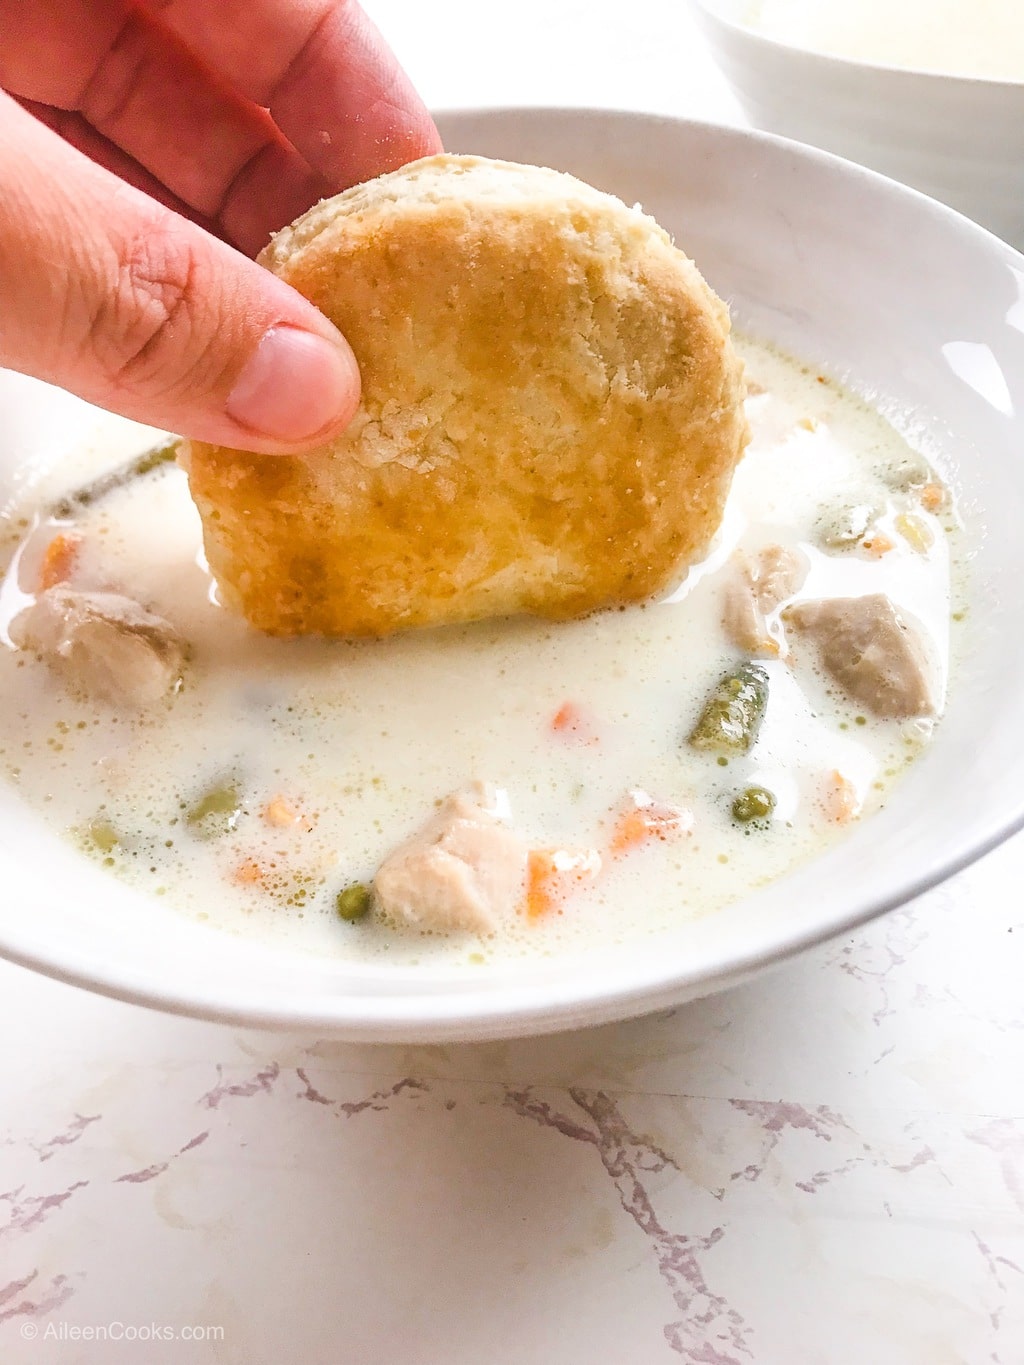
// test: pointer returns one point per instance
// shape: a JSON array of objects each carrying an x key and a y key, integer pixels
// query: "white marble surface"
[{"x": 825, "y": 1167}]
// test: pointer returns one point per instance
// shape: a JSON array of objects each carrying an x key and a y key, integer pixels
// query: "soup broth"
[{"x": 278, "y": 776}]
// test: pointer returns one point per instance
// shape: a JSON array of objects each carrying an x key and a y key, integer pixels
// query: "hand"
[{"x": 205, "y": 125}]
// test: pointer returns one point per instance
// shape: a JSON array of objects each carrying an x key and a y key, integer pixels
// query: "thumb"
[{"x": 115, "y": 297}]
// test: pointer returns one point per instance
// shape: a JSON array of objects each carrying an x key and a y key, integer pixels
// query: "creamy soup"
[
  {"x": 575, "y": 783},
  {"x": 957, "y": 37}
]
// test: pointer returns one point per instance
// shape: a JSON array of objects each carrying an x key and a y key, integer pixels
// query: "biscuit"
[{"x": 551, "y": 411}]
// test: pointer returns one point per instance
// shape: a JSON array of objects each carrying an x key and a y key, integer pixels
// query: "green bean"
[
  {"x": 216, "y": 812},
  {"x": 753, "y": 804},
  {"x": 106, "y": 483},
  {"x": 354, "y": 901},
  {"x": 733, "y": 713}
]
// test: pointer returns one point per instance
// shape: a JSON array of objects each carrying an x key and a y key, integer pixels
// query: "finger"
[
  {"x": 109, "y": 294},
  {"x": 260, "y": 202},
  {"x": 139, "y": 86},
  {"x": 74, "y": 129},
  {"x": 325, "y": 73}
]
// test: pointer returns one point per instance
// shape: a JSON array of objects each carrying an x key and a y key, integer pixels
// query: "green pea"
[
  {"x": 103, "y": 836},
  {"x": 354, "y": 901},
  {"x": 755, "y": 803}
]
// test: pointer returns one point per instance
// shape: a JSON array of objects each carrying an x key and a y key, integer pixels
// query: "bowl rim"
[
  {"x": 708, "y": 12},
  {"x": 475, "y": 1014},
  {"x": 472, "y": 1017}
]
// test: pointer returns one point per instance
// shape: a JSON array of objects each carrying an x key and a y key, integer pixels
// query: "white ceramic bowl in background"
[
  {"x": 899, "y": 297},
  {"x": 957, "y": 138}
]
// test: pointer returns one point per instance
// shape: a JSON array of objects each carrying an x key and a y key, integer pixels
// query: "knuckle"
[{"x": 146, "y": 329}]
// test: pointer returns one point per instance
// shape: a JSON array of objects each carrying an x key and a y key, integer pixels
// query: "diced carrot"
[
  {"x": 59, "y": 560},
  {"x": 878, "y": 545},
  {"x": 933, "y": 497},
  {"x": 280, "y": 813},
  {"x": 248, "y": 873},
  {"x": 839, "y": 799},
  {"x": 573, "y": 722},
  {"x": 648, "y": 819},
  {"x": 540, "y": 882},
  {"x": 553, "y": 874}
]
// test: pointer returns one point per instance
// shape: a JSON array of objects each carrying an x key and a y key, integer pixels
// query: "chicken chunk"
[
  {"x": 760, "y": 586},
  {"x": 105, "y": 644},
  {"x": 464, "y": 871},
  {"x": 866, "y": 646}
]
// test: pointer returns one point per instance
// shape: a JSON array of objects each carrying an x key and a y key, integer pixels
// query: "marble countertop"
[{"x": 825, "y": 1167}]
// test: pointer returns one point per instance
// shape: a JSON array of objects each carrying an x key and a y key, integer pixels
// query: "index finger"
[{"x": 330, "y": 81}]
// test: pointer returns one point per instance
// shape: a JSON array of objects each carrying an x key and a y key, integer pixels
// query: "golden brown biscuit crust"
[{"x": 550, "y": 418}]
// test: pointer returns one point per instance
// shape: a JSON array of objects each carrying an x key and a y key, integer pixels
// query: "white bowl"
[
  {"x": 896, "y": 295},
  {"x": 958, "y": 139}
]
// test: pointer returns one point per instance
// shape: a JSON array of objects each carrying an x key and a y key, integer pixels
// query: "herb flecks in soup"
[{"x": 510, "y": 786}]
